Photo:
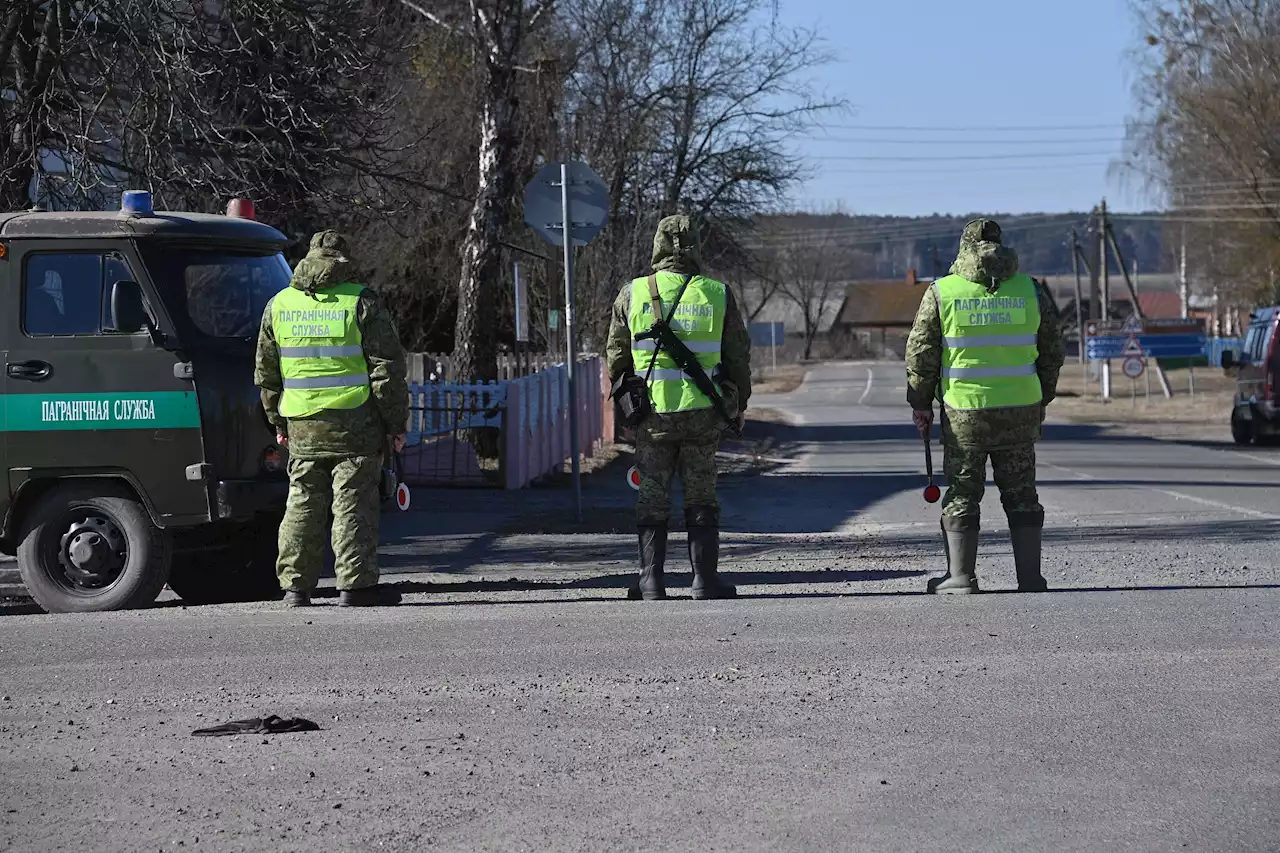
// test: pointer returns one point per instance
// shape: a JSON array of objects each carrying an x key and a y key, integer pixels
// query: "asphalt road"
[{"x": 834, "y": 709}]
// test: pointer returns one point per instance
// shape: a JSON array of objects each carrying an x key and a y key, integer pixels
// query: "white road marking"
[
  {"x": 1251, "y": 513},
  {"x": 867, "y": 390},
  {"x": 1266, "y": 459}
]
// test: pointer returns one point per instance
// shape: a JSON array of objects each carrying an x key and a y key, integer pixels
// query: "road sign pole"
[
  {"x": 566, "y": 225},
  {"x": 773, "y": 339}
]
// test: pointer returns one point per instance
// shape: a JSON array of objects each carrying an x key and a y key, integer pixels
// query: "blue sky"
[{"x": 968, "y": 67}]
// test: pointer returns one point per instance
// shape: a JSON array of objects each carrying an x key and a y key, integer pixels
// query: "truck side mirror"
[
  {"x": 128, "y": 315},
  {"x": 1228, "y": 359}
]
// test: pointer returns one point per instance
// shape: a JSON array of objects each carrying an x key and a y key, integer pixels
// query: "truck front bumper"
[{"x": 243, "y": 499}]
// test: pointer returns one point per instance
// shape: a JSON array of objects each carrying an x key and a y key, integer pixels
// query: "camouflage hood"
[
  {"x": 325, "y": 265},
  {"x": 677, "y": 247},
  {"x": 983, "y": 259}
]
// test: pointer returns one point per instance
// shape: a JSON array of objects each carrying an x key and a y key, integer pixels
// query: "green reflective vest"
[
  {"x": 989, "y": 343},
  {"x": 698, "y": 321},
  {"x": 322, "y": 361}
]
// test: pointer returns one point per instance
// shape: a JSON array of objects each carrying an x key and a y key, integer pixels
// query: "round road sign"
[
  {"x": 402, "y": 497},
  {"x": 1133, "y": 367},
  {"x": 633, "y": 478}
]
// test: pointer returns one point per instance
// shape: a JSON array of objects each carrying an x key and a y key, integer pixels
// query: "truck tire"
[
  {"x": 244, "y": 572},
  {"x": 1241, "y": 430},
  {"x": 87, "y": 549}
]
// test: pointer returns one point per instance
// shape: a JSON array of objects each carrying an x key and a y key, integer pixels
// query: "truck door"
[
  {"x": 83, "y": 398},
  {"x": 9, "y": 300}
]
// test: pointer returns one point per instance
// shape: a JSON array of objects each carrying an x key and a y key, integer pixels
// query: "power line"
[
  {"x": 895, "y": 159},
  {"x": 976, "y": 128},
  {"x": 974, "y": 170},
  {"x": 934, "y": 141},
  {"x": 863, "y": 235},
  {"x": 1223, "y": 220}
]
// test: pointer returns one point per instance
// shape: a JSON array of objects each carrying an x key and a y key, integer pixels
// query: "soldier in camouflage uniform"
[
  {"x": 680, "y": 438},
  {"x": 987, "y": 341},
  {"x": 336, "y": 448}
]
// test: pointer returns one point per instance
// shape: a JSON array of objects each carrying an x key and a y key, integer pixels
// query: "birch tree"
[{"x": 497, "y": 32}]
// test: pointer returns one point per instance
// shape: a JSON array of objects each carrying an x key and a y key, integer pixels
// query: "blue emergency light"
[{"x": 136, "y": 203}]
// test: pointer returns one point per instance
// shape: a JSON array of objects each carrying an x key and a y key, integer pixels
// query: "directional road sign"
[
  {"x": 1163, "y": 338},
  {"x": 1148, "y": 346},
  {"x": 588, "y": 204}
]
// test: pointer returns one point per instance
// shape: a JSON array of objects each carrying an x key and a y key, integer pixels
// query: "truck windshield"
[{"x": 219, "y": 293}]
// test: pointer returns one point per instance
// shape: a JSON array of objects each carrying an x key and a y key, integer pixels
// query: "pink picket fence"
[
  {"x": 535, "y": 429},
  {"x": 531, "y": 414}
]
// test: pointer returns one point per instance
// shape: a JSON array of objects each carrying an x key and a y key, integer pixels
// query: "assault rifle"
[{"x": 664, "y": 337}]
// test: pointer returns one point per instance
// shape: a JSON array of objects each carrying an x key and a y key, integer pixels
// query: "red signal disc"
[
  {"x": 402, "y": 497},
  {"x": 932, "y": 494},
  {"x": 633, "y": 477}
]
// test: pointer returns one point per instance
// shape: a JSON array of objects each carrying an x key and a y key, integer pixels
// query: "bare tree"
[
  {"x": 287, "y": 101},
  {"x": 812, "y": 274},
  {"x": 498, "y": 32},
  {"x": 1207, "y": 133},
  {"x": 697, "y": 121}
]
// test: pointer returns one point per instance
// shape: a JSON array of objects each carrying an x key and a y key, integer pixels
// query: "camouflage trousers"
[
  {"x": 1014, "y": 470},
  {"x": 682, "y": 443},
  {"x": 347, "y": 489}
]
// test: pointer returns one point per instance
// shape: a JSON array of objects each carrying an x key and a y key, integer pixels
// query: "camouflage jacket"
[
  {"x": 996, "y": 427},
  {"x": 735, "y": 345},
  {"x": 343, "y": 432}
]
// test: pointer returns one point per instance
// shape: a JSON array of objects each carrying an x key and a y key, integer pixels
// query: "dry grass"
[
  {"x": 1207, "y": 413},
  {"x": 781, "y": 381},
  {"x": 767, "y": 416}
]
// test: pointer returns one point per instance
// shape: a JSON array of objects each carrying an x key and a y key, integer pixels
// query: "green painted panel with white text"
[{"x": 134, "y": 410}]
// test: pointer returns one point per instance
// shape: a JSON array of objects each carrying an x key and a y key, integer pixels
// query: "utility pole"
[
  {"x": 1095, "y": 252},
  {"x": 1103, "y": 270},
  {"x": 1110, "y": 235},
  {"x": 1184, "y": 291},
  {"x": 1075, "y": 266}
]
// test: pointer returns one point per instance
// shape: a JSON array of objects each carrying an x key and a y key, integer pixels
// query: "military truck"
[{"x": 136, "y": 450}]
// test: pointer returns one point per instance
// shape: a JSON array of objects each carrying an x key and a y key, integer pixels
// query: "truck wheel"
[
  {"x": 86, "y": 549},
  {"x": 245, "y": 572},
  {"x": 1241, "y": 430}
]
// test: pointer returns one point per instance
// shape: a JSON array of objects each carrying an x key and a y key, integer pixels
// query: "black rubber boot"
[
  {"x": 1025, "y": 531},
  {"x": 960, "y": 543},
  {"x": 293, "y": 598},
  {"x": 653, "y": 558},
  {"x": 704, "y": 553},
  {"x": 369, "y": 596}
]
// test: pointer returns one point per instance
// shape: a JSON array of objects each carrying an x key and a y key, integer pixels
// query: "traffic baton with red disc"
[
  {"x": 633, "y": 478},
  {"x": 932, "y": 494}
]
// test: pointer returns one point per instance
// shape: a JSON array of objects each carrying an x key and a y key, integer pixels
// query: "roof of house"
[
  {"x": 880, "y": 303},
  {"x": 1160, "y": 304}
]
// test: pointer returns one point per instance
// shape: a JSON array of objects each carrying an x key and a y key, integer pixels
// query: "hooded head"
[
  {"x": 326, "y": 264},
  {"x": 983, "y": 259},
  {"x": 677, "y": 247}
]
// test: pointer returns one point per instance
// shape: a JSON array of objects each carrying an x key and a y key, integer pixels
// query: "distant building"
[{"x": 875, "y": 317}]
